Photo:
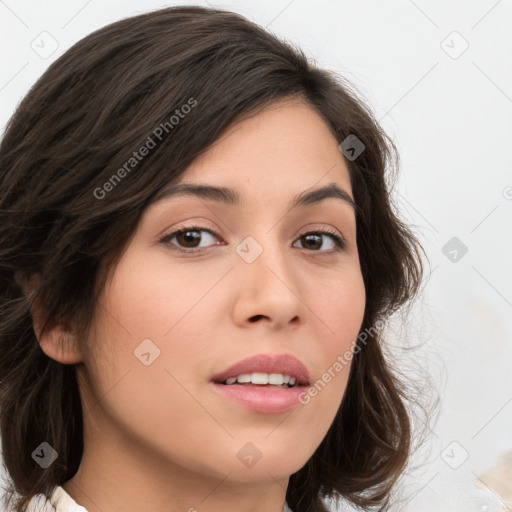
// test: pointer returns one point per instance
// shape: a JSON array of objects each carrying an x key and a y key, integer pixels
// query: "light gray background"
[{"x": 449, "y": 109}]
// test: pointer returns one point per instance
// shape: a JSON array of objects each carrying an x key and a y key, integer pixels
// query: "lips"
[{"x": 267, "y": 363}]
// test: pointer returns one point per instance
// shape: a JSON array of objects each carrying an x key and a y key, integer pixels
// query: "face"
[{"x": 237, "y": 280}]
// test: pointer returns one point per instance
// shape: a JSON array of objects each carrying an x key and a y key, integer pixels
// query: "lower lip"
[{"x": 262, "y": 399}]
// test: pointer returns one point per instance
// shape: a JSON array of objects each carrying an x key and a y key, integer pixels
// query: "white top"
[{"x": 61, "y": 501}]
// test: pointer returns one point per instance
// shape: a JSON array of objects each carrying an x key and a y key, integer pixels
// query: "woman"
[{"x": 198, "y": 253}]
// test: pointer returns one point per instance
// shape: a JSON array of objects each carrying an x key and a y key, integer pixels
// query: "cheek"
[
  {"x": 340, "y": 307},
  {"x": 341, "y": 311},
  {"x": 150, "y": 316},
  {"x": 154, "y": 300}
]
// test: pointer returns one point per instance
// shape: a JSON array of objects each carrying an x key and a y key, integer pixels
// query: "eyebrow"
[{"x": 232, "y": 197}]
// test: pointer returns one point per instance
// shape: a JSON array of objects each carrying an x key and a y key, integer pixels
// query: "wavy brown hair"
[{"x": 77, "y": 126}]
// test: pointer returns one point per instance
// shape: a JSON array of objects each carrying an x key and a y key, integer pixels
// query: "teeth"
[
  {"x": 259, "y": 378},
  {"x": 276, "y": 379}
]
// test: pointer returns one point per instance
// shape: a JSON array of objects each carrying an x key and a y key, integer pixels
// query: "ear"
[{"x": 59, "y": 341}]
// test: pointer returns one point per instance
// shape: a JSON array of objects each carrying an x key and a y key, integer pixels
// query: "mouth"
[
  {"x": 265, "y": 383},
  {"x": 265, "y": 369},
  {"x": 266, "y": 380}
]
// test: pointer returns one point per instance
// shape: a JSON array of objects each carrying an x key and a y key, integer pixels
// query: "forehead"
[{"x": 278, "y": 152}]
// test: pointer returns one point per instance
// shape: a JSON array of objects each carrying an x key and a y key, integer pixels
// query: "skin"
[{"x": 156, "y": 437}]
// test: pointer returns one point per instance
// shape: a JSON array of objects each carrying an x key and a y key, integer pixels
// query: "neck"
[{"x": 117, "y": 473}]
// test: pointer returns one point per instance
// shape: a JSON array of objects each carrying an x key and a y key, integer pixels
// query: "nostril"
[{"x": 256, "y": 317}]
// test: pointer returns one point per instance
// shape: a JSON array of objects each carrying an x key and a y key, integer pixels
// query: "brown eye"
[
  {"x": 314, "y": 241},
  {"x": 190, "y": 238}
]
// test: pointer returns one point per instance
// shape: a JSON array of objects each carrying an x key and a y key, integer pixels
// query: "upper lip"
[{"x": 267, "y": 363}]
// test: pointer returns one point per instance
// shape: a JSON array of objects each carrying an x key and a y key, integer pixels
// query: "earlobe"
[
  {"x": 59, "y": 344},
  {"x": 59, "y": 341}
]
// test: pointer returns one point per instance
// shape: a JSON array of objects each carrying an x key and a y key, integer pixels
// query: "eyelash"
[{"x": 339, "y": 241}]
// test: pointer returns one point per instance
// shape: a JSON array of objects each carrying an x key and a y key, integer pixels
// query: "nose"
[{"x": 267, "y": 288}]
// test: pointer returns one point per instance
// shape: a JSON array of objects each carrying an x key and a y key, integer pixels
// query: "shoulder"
[{"x": 60, "y": 501}]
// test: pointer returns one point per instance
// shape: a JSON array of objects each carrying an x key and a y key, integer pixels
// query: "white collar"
[{"x": 63, "y": 502}]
